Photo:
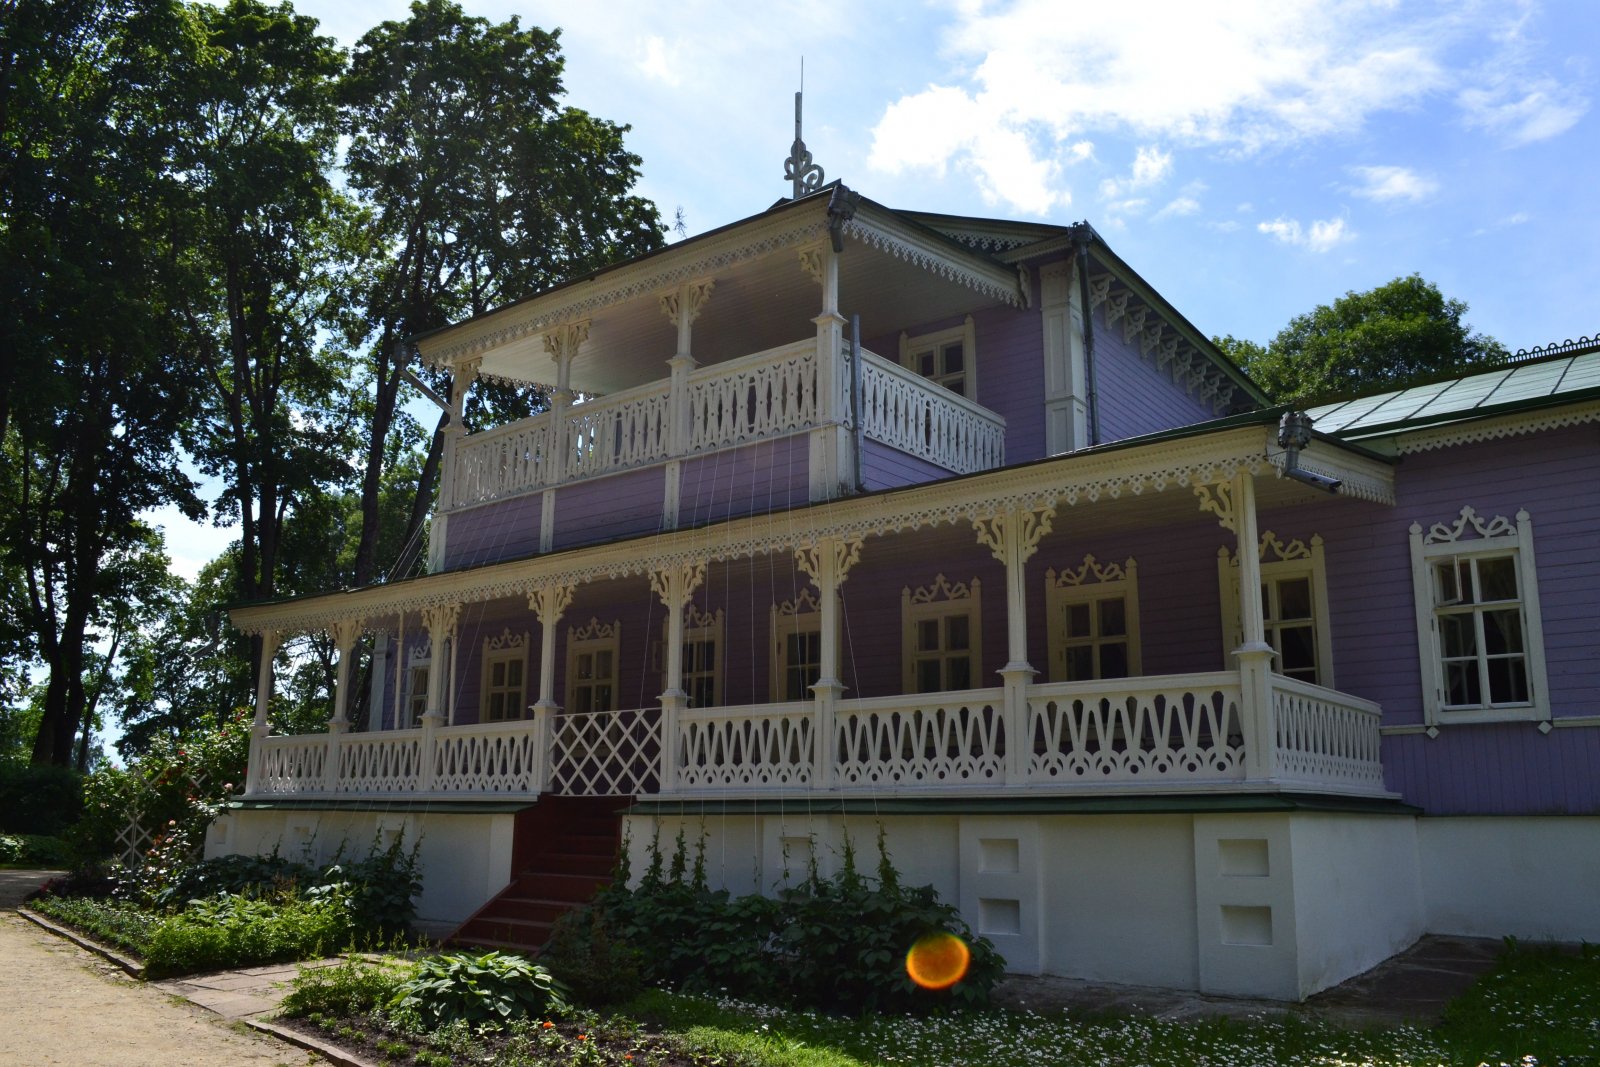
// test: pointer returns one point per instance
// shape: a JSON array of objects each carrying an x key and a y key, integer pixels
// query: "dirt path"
[{"x": 65, "y": 1007}]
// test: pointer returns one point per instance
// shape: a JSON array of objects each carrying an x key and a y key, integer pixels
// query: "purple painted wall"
[
  {"x": 604, "y": 509},
  {"x": 1134, "y": 396},
  {"x": 506, "y": 529},
  {"x": 886, "y": 467},
  {"x": 765, "y": 476}
]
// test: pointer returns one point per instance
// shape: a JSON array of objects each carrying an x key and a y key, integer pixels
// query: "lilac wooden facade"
[{"x": 995, "y": 556}]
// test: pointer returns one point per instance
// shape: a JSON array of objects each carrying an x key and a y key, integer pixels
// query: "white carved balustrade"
[
  {"x": 756, "y": 747},
  {"x": 763, "y": 395},
  {"x": 502, "y": 462},
  {"x": 494, "y": 757},
  {"x": 904, "y": 410},
  {"x": 616, "y": 432},
  {"x": 385, "y": 762},
  {"x": 1325, "y": 738},
  {"x": 290, "y": 764},
  {"x": 949, "y": 739},
  {"x": 1182, "y": 728}
]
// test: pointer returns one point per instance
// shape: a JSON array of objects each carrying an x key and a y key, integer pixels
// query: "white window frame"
[
  {"x": 913, "y": 345},
  {"x": 1280, "y": 561},
  {"x": 1469, "y": 536},
  {"x": 803, "y": 614},
  {"x": 587, "y": 640},
  {"x": 939, "y": 600},
  {"x": 507, "y": 648},
  {"x": 700, "y": 626},
  {"x": 412, "y": 702},
  {"x": 1090, "y": 583}
]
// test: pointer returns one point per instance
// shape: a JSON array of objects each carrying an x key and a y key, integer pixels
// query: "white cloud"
[
  {"x": 1247, "y": 76},
  {"x": 1392, "y": 183},
  {"x": 658, "y": 61},
  {"x": 1183, "y": 205},
  {"x": 1322, "y": 236}
]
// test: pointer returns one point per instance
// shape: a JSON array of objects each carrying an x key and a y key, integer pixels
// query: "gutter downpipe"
[{"x": 1082, "y": 234}]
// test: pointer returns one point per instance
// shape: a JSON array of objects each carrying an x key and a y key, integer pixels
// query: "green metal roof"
[{"x": 1501, "y": 390}]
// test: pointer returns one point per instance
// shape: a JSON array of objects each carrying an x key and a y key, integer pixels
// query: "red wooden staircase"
[{"x": 563, "y": 850}]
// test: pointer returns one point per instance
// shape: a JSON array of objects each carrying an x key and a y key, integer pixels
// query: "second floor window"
[{"x": 946, "y": 357}]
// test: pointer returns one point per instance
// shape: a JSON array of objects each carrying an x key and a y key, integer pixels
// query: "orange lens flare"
[{"x": 938, "y": 961}]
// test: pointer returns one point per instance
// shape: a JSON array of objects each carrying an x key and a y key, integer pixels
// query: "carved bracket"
[
  {"x": 846, "y": 554},
  {"x": 1028, "y": 526},
  {"x": 345, "y": 633},
  {"x": 441, "y": 619},
  {"x": 562, "y": 341},
  {"x": 550, "y": 602},
  {"x": 811, "y": 261},
  {"x": 1218, "y": 500},
  {"x": 686, "y": 577},
  {"x": 688, "y": 299}
]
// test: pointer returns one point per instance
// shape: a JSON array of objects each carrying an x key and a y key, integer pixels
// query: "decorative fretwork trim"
[
  {"x": 594, "y": 631},
  {"x": 995, "y": 283},
  {"x": 804, "y": 603},
  {"x": 563, "y": 340},
  {"x": 550, "y": 601},
  {"x": 1185, "y": 364},
  {"x": 1296, "y": 549},
  {"x": 1441, "y": 533},
  {"x": 1029, "y": 525},
  {"x": 811, "y": 261},
  {"x": 1218, "y": 500},
  {"x": 506, "y": 640},
  {"x": 1068, "y": 578},
  {"x": 1496, "y": 428},
  {"x": 695, "y": 619},
  {"x": 941, "y": 589},
  {"x": 690, "y": 574},
  {"x": 699, "y": 293},
  {"x": 846, "y": 554}
]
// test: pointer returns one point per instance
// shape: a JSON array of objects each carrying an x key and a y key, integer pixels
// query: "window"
[
  {"x": 942, "y": 637},
  {"x": 1093, "y": 625},
  {"x": 796, "y": 628},
  {"x": 592, "y": 654},
  {"x": 504, "y": 668},
  {"x": 414, "y": 703},
  {"x": 1294, "y": 607},
  {"x": 702, "y": 658},
  {"x": 1482, "y": 636},
  {"x": 946, "y": 357}
]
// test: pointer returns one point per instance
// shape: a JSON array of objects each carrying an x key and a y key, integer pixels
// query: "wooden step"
[{"x": 574, "y": 888}]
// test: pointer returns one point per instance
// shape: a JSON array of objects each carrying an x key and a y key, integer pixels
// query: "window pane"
[
  {"x": 602, "y": 664},
  {"x": 960, "y": 672},
  {"x": 928, "y": 636},
  {"x": 928, "y": 680},
  {"x": 957, "y": 385},
  {"x": 514, "y": 673},
  {"x": 1508, "y": 680},
  {"x": 1445, "y": 590},
  {"x": 1298, "y": 648},
  {"x": 583, "y": 666},
  {"x": 953, "y": 362},
  {"x": 1502, "y": 631},
  {"x": 925, "y": 364},
  {"x": 602, "y": 700},
  {"x": 1114, "y": 660},
  {"x": 1456, "y": 632},
  {"x": 1294, "y": 598},
  {"x": 1078, "y": 620},
  {"x": 497, "y": 673},
  {"x": 956, "y": 628},
  {"x": 1461, "y": 683},
  {"x": 1464, "y": 581},
  {"x": 1080, "y": 663},
  {"x": 1113, "y": 617},
  {"x": 1497, "y": 578}
]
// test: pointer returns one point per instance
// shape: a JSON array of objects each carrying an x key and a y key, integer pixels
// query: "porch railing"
[
  {"x": 904, "y": 410},
  {"x": 1162, "y": 733}
]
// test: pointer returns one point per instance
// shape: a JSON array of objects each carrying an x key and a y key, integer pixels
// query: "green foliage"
[
  {"x": 838, "y": 942},
  {"x": 115, "y": 922},
  {"x": 39, "y": 799},
  {"x": 1397, "y": 334},
  {"x": 37, "y": 850},
  {"x": 1538, "y": 1005},
  {"x": 591, "y": 961},
  {"x": 355, "y": 986},
  {"x": 482, "y": 992},
  {"x": 238, "y": 931}
]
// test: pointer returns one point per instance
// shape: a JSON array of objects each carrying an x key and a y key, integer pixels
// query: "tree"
[
  {"x": 94, "y": 244},
  {"x": 1396, "y": 335},
  {"x": 481, "y": 189}
]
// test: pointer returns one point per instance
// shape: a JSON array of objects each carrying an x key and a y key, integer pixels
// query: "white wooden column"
[
  {"x": 441, "y": 623},
  {"x": 1013, "y": 536},
  {"x": 259, "y": 726},
  {"x": 462, "y": 376},
  {"x": 549, "y": 603},
  {"x": 345, "y": 634},
  {"x": 1234, "y": 504},
  {"x": 830, "y": 460},
  {"x": 681, "y": 306},
  {"x": 828, "y": 563},
  {"x": 380, "y": 679},
  {"x": 675, "y": 585}
]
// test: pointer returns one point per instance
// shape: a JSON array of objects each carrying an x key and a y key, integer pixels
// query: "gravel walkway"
[{"x": 66, "y": 1007}]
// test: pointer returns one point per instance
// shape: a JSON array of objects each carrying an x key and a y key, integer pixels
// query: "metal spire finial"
[{"x": 805, "y": 175}]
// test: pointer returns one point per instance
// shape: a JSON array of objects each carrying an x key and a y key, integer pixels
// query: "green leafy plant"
[
  {"x": 37, "y": 850},
  {"x": 481, "y": 992},
  {"x": 233, "y": 931},
  {"x": 355, "y": 986},
  {"x": 115, "y": 922}
]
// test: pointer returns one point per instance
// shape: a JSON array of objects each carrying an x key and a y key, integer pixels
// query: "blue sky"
[{"x": 1251, "y": 158}]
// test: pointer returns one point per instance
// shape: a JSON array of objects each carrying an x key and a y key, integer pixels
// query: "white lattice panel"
[
  {"x": 503, "y": 462},
  {"x": 606, "y": 753},
  {"x": 387, "y": 762},
  {"x": 499, "y": 757},
  {"x": 922, "y": 740},
  {"x": 908, "y": 412},
  {"x": 1325, "y": 737},
  {"x": 617, "y": 432},
  {"x": 763, "y": 745},
  {"x": 754, "y": 397},
  {"x": 291, "y": 764},
  {"x": 1183, "y": 728}
]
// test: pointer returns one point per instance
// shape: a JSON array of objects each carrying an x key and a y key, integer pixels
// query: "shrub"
[
  {"x": 37, "y": 850},
  {"x": 39, "y": 799},
  {"x": 357, "y": 986},
  {"x": 233, "y": 930},
  {"x": 589, "y": 959},
  {"x": 481, "y": 992},
  {"x": 250, "y": 875}
]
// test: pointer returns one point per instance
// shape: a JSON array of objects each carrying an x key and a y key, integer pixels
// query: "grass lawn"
[{"x": 1536, "y": 1009}]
